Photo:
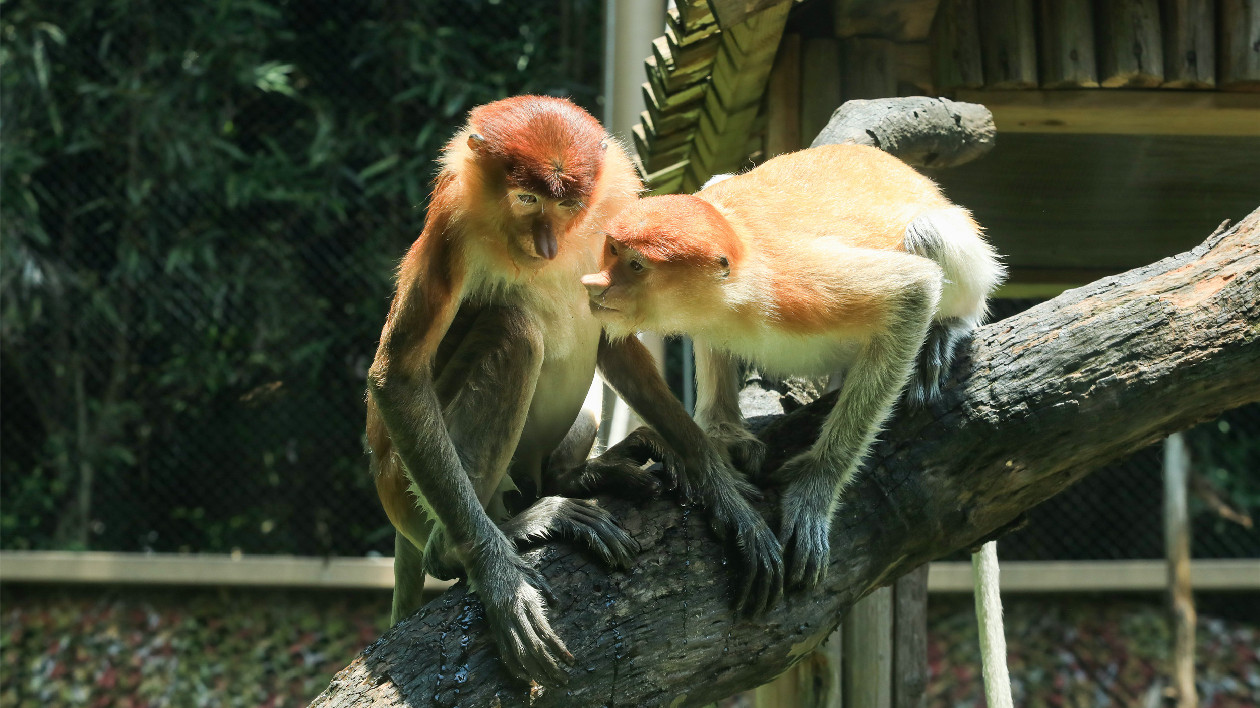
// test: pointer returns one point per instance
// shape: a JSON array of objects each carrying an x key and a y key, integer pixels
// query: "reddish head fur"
[
  {"x": 547, "y": 145},
  {"x": 677, "y": 228}
]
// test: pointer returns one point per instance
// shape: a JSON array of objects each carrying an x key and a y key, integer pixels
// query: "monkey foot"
[{"x": 513, "y": 595}]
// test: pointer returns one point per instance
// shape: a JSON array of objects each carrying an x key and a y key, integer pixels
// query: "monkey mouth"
[{"x": 596, "y": 307}]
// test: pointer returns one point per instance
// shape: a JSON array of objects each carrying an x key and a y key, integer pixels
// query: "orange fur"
[{"x": 787, "y": 229}]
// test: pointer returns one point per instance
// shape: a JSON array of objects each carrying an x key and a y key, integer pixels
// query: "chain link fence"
[{"x": 203, "y": 204}]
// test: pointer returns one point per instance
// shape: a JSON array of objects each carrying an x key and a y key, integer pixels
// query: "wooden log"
[
  {"x": 1130, "y": 46},
  {"x": 1189, "y": 43},
  {"x": 820, "y": 84},
  {"x": 1008, "y": 44},
  {"x": 1177, "y": 551},
  {"x": 868, "y": 68},
  {"x": 963, "y": 131},
  {"x": 1239, "y": 51},
  {"x": 783, "y": 99},
  {"x": 955, "y": 46},
  {"x": 1066, "y": 44}
]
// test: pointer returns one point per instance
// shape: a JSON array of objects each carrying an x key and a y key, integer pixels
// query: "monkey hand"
[
  {"x": 579, "y": 520},
  {"x": 513, "y": 595},
  {"x": 805, "y": 525},
  {"x": 745, "y": 450},
  {"x": 734, "y": 520},
  {"x": 622, "y": 471},
  {"x": 440, "y": 560}
]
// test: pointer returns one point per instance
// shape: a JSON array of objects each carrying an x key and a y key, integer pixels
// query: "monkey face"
[{"x": 538, "y": 224}]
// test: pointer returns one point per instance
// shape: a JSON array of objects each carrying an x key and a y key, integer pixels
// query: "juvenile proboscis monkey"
[
  {"x": 837, "y": 259},
  {"x": 485, "y": 360}
]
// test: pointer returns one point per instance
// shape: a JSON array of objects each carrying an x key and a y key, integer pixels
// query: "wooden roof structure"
[{"x": 709, "y": 95}]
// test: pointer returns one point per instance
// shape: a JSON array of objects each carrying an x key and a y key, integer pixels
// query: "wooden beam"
[
  {"x": 1189, "y": 43},
  {"x": 1130, "y": 46},
  {"x": 783, "y": 99},
  {"x": 1239, "y": 53},
  {"x": 900, "y": 20},
  {"x": 955, "y": 45},
  {"x": 200, "y": 569},
  {"x": 1008, "y": 44},
  {"x": 1065, "y": 53},
  {"x": 910, "y": 657},
  {"x": 868, "y": 68},
  {"x": 1098, "y": 576},
  {"x": 1121, "y": 112},
  {"x": 820, "y": 84},
  {"x": 213, "y": 570},
  {"x": 914, "y": 70}
]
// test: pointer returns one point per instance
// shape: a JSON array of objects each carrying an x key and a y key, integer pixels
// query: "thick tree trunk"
[{"x": 1036, "y": 402}]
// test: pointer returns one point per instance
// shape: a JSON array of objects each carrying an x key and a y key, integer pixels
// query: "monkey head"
[
  {"x": 666, "y": 265},
  {"x": 540, "y": 159}
]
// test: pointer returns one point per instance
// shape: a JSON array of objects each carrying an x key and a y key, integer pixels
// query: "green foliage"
[{"x": 202, "y": 206}]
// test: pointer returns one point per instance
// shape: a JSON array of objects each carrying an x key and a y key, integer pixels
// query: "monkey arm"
[
  {"x": 707, "y": 477},
  {"x": 511, "y": 591}
]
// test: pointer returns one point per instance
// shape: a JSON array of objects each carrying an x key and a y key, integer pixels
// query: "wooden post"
[
  {"x": 1177, "y": 547},
  {"x": 955, "y": 45},
  {"x": 868, "y": 68},
  {"x": 1066, "y": 50},
  {"x": 1240, "y": 45},
  {"x": 1130, "y": 46},
  {"x": 868, "y": 652},
  {"x": 910, "y": 665},
  {"x": 1189, "y": 43},
  {"x": 783, "y": 99},
  {"x": 1008, "y": 45},
  {"x": 820, "y": 83}
]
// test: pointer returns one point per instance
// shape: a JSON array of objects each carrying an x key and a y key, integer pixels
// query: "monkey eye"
[
  {"x": 526, "y": 198},
  {"x": 636, "y": 266},
  {"x": 570, "y": 204}
]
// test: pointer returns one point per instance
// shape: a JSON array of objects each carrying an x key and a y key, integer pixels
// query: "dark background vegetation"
[{"x": 203, "y": 203}]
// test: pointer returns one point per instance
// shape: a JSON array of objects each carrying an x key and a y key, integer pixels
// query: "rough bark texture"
[
  {"x": 1034, "y": 403},
  {"x": 925, "y": 132}
]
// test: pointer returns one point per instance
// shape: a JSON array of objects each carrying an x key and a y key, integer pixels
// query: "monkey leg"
[
  {"x": 620, "y": 470},
  {"x": 717, "y": 408},
  {"x": 935, "y": 359},
  {"x": 706, "y": 476},
  {"x": 408, "y": 579},
  {"x": 815, "y": 479}
]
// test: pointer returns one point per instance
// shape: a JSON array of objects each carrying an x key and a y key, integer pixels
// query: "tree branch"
[{"x": 1034, "y": 403}]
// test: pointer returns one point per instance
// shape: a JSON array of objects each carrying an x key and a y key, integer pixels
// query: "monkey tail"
[{"x": 972, "y": 269}]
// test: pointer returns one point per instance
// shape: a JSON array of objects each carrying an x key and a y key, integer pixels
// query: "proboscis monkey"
[
  {"x": 837, "y": 259},
  {"x": 484, "y": 362}
]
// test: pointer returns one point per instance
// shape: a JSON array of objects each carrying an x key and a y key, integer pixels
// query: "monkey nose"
[{"x": 596, "y": 283}]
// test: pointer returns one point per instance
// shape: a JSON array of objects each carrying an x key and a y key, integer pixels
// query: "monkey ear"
[
  {"x": 476, "y": 143},
  {"x": 726, "y": 266}
]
